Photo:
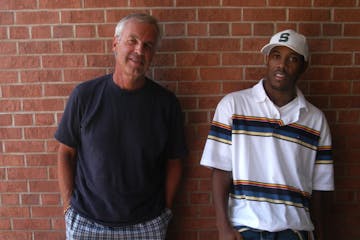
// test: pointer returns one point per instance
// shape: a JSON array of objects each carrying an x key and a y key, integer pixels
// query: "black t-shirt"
[{"x": 123, "y": 140}]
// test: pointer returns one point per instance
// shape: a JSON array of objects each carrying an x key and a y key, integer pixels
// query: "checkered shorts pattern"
[{"x": 80, "y": 228}]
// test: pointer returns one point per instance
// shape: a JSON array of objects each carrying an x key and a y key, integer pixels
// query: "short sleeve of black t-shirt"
[{"x": 123, "y": 140}]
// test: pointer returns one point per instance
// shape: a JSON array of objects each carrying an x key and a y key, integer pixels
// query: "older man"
[{"x": 121, "y": 143}]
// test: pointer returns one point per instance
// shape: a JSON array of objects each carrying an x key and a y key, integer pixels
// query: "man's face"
[
  {"x": 135, "y": 48},
  {"x": 284, "y": 67}
]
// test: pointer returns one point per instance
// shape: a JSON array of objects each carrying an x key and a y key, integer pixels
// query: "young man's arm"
[
  {"x": 173, "y": 177},
  {"x": 319, "y": 205},
  {"x": 66, "y": 172},
  {"x": 221, "y": 181}
]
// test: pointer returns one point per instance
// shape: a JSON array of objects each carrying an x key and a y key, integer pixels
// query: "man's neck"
[{"x": 128, "y": 82}]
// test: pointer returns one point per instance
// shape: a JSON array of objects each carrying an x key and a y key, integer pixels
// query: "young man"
[
  {"x": 121, "y": 141},
  {"x": 270, "y": 151}
]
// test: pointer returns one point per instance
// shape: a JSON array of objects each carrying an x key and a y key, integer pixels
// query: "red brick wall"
[{"x": 209, "y": 49}]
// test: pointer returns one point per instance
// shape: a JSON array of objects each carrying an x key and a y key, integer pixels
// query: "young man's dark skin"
[{"x": 283, "y": 69}]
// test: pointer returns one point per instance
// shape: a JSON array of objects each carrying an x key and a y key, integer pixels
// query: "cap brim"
[{"x": 267, "y": 48}]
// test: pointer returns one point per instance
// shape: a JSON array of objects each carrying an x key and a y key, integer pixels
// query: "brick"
[
  {"x": 151, "y": 3},
  {"x": 9, "y": 77},
  {"x": 40, "y": 32},
  {"x": 83, "y": 16},
  {"x": 39, "y": 132},
  {"x": 51, "y": 199},
  {"x": 8, "y": 186},
  {"x": 310, "y": 29},
  {"x": 197, "y": 117},
  {"x": 6, "y": 18},
  {"x": 307, "y": 14},
  {"x": 175, "y": 15},
  {"x": 4, "y": 235},
  {"x": 58, "y": 89},
  {"x": 23, "y": 91},
  {"x": 189, "y": 88},
  {"x": 220, "y": 74},
  {"x": 234, "y": 86},
  {"x": 196, "y": 3},
  {"x": 44, "y": 186},
  {"x": 31, "y": 224},
  {"x": 17, "y": 4},
  {"x": 254, "y": 44},
  {"x": 39, "y": 47},
  {"x": 106, "y": 30},
  {"x": 77, "y": 75},
  {"x": 352, "y": 30},
  {"x": 88, "y": 46},
  {"x": 287, "y": 3},
  {"x": 100, "y": 60},
  {"x": 54, "y": 235},
  {"x": 14, "y": 212},
  {"x": 200, "y": 198},
  {"x": 23, "y": 119},
  {"x": 340, "y": 59},
  {"x": 234, "y": 59},
  {"x": 243, "y": 3},
  {"x": 348, "y": 73},
  {"x": 263, "y": 29},
  {"x": 222, "y": 45},
  {"x": 63, "y": 31},
  {"x": 346, "y": 45},
  {"x": 241, "y": 29},
  {"x": 6, "y": 120},
  {"x": 211, "y": 15},
  {"x": 268, "y": 14},
  {"x": 107, "y": 3},
  {"x": 11, "y": 160},
  {"x": 24, "y": 146},
  {"x": 197, "y": 29},
  {"x": 63, "y": 61},
  {"x": 27, "y": 173},
  {"x": 46, "y": 211},
  {"x": 30, "y": 199},
  {"x": 164, "y": 60},
  {"x": 44, "y": 119},
  {"x": 219, "y": 29},
  {"x": 176, "y": 74},
  {"x": 204, "y": 59},
  {"x": 347, "y": 15},
  {"x": 19, "y": 33},
  {"x": 176, "y": 45},
  {"x": 10, "y": 199},
  {"x": 13, "y": 62},
  {"x": 38, "y": 17},
  {"x": 10, "y": 133},
  {"x": 254, "y": 73},
  {"x": 45, "y": 160},
  {"x": 44, "y": 75},
  {"x": 7, "y": 48},
  {"x": 333, "y": 87},
  {"x": 174, "y": 29},
  {"x": 332, "y": 29},
  {"x": 5, "y": 224},
  {"x": 49, "y": 4},
  {"x": 85, "y": 31},
  {"x": 10, "y": 106},
  {"x": 334, "y": 3}
]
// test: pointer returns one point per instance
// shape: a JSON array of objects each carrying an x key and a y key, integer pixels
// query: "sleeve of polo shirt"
[
  {"x": 323, "y": 178},
  {"x": 217, "y": 151},
  {"x": 68, "y": 131}
]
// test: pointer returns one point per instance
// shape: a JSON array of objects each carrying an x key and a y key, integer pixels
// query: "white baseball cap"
[{"x": 291, "y": 39}]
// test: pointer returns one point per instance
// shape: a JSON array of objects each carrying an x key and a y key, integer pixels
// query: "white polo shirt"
[{"x": 277, "y": 157}]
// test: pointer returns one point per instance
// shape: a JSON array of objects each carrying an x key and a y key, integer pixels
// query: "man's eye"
[
  {"x": 294, "y": 59},
  {"x": 131, "y": 41},
  {"x": 148, "y": 46}
]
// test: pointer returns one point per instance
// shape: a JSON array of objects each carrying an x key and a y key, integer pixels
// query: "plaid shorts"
[{"x": 80, "y": 228}]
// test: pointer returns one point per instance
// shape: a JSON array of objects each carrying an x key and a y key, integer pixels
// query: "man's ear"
[{"x": 115, "y": 42}]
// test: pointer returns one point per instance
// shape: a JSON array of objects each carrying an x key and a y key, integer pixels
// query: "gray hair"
[{"x": 139, "y": 17}]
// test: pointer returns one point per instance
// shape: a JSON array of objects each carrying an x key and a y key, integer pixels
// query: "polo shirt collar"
[{"x": 260, "y": 95}]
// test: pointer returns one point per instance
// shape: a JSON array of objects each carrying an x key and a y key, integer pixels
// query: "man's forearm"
[{"x": 173, "y": 178}]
